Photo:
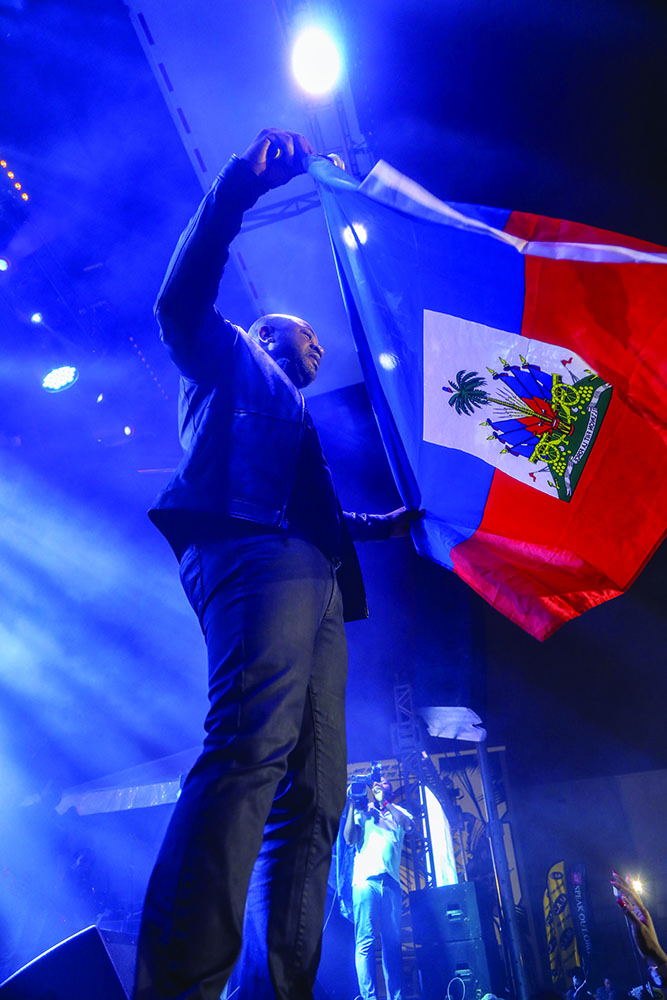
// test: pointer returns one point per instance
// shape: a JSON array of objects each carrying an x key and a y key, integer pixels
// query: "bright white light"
[
  {"x": 316, "y": 62},
  {"x": 442, "y": 845},
  {"x": 353, "y": 235},
  {"x": 100, "y": 398},
  {"x": 4, "y": 263},
  {"x": 637, "y": 885},
  {"x": 128, "y": 431},
  {"x": 60, "y": 378},
  {"x": 387, "y": 361},
  {"x": 36, "y": 318}
]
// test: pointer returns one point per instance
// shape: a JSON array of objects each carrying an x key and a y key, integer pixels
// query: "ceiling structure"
[
  {"x": 287, "y": 267},
  {"x": 109, "y": 116}
]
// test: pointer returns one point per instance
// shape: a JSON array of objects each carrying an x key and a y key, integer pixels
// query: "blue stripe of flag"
[{"x": 406, "y": 265}]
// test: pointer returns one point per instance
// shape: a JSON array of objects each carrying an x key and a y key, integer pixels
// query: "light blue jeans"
[
  {"x": 265, "y": 797},
  {"x": 377, "y": 907}
]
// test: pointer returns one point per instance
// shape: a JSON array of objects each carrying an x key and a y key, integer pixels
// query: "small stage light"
[
  {"x": 128, "y": 431},
  {"x": 100, "y": 398},
  {"x": 316, "y": 62},
  {"x": 36, "y": 317},
  {"x": 12, "y": 176},
  {"x": 4, "y": 264},
  {"x": 60, "y": 378}
]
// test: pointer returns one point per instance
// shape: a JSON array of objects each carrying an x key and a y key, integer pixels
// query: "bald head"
[{"x": 291, "y": 343}]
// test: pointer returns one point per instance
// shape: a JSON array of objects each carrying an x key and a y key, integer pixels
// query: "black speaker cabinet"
[
  {"x": 450, "y": 942},
  {"x": 448, "y": 913},
  {"x": 91, "y": 964},
  {"x": 462, "y": 960}
]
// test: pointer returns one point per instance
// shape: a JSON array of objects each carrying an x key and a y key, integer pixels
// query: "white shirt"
[{"x": 380, "y": 849}]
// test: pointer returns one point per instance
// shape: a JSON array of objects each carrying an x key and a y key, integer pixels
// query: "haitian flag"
[{"x": 517, "y": 366}]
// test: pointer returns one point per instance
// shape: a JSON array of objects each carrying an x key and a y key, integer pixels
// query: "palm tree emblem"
[{"x": 466, "y": 392}]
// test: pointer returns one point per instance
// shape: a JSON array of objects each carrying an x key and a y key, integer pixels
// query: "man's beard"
[{"x": 297, "y": 371}]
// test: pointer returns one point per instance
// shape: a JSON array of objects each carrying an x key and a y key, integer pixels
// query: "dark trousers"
[{"x": 266, "y": 794}]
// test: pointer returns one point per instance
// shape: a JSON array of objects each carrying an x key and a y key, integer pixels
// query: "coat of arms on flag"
[
  {"x": 535, "y": 416},
  {"x": 516, "y": 367}
]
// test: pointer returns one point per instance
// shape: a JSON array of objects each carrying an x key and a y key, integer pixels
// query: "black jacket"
[{"x": 240, "y": 417}]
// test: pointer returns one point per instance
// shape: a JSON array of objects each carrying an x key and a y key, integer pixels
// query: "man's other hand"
[
  {"x": 401, "y": 519},
  {"x": 277, "y": 155}
]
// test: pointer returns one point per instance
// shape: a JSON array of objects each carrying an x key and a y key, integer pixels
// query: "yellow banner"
[{"x": 561, "y": 937}]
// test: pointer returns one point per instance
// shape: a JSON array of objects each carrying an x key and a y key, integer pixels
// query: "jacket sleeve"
[
  {"x": 367, "y": 527},
  {"x": 193, "y": 331}
]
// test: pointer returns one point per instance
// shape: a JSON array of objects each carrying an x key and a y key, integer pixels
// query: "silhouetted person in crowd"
[
  {"x": 579, "y": 990},
  {"x": 606, "y": 991}
]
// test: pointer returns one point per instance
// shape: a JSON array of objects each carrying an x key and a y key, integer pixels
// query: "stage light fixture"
[
  {"x": 316, "y": 61},
  {"x": 12, "y": 177},
  {"x": 36, "y": 317},
  {"x": 100, "y": 398},
  {"x": 60, "y": 378},
  {"x": 4, "y": 264},
  {"x": 128, "y": 431}
]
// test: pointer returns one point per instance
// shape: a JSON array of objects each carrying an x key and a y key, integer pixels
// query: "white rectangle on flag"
[{"x": 457, "y": 353}]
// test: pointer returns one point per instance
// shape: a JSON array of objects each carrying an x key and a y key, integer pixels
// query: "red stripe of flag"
[
  {"x": 541, "y": 228},
  {"x": 541, "y": 561}
]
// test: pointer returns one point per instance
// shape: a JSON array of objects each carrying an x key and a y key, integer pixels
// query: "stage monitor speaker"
[
  {"x": 91, "y": 964},
  {"x": 448, "y": 913},
  {"x": 464, "y": 960}
]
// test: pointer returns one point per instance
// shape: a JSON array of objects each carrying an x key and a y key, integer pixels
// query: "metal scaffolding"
[{"x": 418, "y": 772}]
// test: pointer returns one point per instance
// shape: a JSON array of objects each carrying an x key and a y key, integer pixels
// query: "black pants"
[{"x": 265, "y": 797}]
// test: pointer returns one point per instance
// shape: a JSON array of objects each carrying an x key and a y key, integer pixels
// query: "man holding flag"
[{"x": 268, "y": 563}]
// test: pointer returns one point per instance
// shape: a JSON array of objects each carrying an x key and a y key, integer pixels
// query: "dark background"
[{"x": 551, "y": 107}]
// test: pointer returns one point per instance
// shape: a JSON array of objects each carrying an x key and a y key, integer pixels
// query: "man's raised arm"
[{"x": 190, "y": 326}]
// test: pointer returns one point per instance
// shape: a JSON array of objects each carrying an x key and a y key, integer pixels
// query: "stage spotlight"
[
  {"x": 316, "y": 61},
  {"x": 4, "y": 264},
  {"x": 36, "y": 317},
  {"x": 100, "y": 398},
  {"x": 637, "y": 885},
  {"x": 60, "y": 378},
  {"x": 128, "y": 431}
]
